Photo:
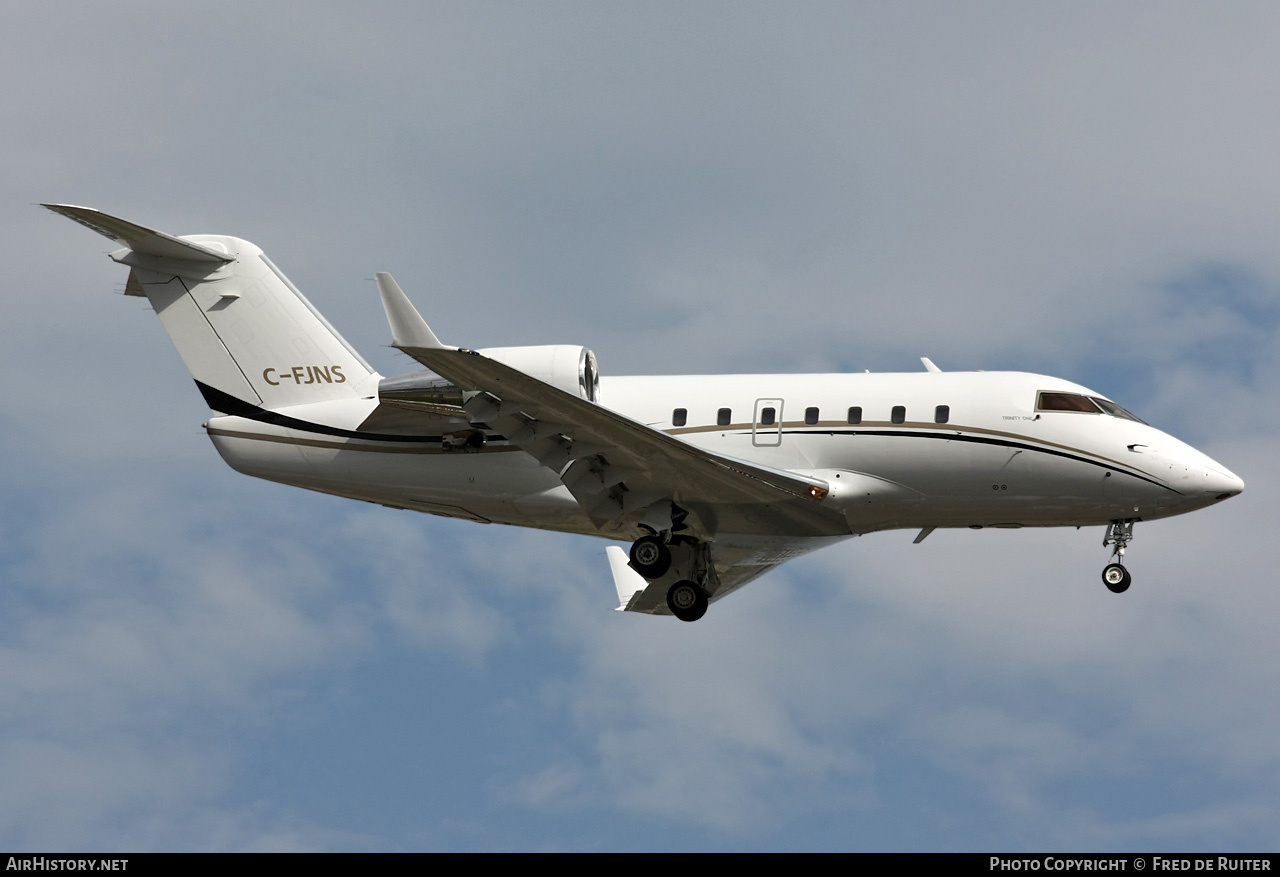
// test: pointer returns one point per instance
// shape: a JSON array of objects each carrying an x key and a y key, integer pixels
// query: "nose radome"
[{"x": 1221, "y": 484}]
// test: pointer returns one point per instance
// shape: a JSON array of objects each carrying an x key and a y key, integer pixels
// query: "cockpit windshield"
[
  {"x": 1115, "y": 410},
  {"x": 1065, "y": 402},
  {"x": 1056, "y": 401}
]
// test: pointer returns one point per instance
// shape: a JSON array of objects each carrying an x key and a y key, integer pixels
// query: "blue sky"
[{"x": 193, "y": 660}]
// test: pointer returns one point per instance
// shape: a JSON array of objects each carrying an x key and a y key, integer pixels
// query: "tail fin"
[{"x": 241, "y": 327}]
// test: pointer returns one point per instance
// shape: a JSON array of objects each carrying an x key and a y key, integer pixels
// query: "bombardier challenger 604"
[{"x": 712, "y": 480}]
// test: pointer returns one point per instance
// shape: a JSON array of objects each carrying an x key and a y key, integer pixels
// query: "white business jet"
[{"x": 713, "y": 480}]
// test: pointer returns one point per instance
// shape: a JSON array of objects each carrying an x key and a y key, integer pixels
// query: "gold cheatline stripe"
[
  {"x": 829, "y": 424},
  {"x": 912, "y": 424},
  {"x": 348, "y": 445}
]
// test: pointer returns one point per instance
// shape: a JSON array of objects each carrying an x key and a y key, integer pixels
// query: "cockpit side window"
[
  {"x": 1115, "y": 410},
  {"x": 1054, "y": 401}
]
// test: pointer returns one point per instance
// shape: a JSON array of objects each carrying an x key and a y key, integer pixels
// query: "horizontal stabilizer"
[{"x": 138, "y": 238}]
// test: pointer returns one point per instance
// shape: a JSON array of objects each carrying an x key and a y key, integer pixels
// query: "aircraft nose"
[
  {"x": 1199, "y": 477},
  {"x": 1221, "y": 484}
]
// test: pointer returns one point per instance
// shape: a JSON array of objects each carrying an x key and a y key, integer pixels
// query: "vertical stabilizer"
[{"x": 241, "y": 327}]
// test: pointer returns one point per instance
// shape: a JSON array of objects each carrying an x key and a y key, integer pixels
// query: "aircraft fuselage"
[{"x": 995, "y": 461}]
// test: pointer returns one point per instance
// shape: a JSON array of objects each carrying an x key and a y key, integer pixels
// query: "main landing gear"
[
  {"x": 1114, "y": 575},
  {"x": 650, "y": 557},
  {"x": 654, "y": 557},
  {"x": 687, "y": 601}
]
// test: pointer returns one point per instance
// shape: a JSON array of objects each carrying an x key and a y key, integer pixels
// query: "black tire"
[
  {"x": 650, "y": 557},
  {"x": 687, "y": 601},
  {"x": 1116, "y": 578}
]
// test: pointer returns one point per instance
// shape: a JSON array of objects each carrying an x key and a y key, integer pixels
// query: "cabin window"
[
  {"x": 811, "y": 416},
  {"x": 768, "y": 416},
  {"x": 899, "y": 414},
  {"x": 942, "y": 414},
  {"x": 679, "y": 417},
  {"x": 724, "y": 417},
  {"x": 1065, "y": 402},
  {"x": 855, "y": 414}
]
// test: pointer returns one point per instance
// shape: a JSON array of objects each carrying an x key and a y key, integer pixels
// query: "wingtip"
[
  {"x": 408, "y": 329},
  {"x": 626, "y": 581},
  {"x": 71, "y": 211}
]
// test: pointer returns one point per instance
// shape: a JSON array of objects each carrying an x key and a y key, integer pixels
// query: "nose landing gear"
[{"x": 1114, "y": 575}]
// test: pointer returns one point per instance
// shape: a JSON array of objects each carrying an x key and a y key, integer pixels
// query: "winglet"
[
  {"x": 408, "y": 329},
  {"x": 929, "y": 366},
  {"x": 139, "y": 238},
  {"x": 625, "y": 579}
]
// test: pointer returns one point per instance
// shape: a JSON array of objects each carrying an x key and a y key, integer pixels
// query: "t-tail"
[{"x": 248, "y": 336}]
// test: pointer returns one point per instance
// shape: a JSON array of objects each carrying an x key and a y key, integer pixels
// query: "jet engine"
[{"x": 567, "y": 366}]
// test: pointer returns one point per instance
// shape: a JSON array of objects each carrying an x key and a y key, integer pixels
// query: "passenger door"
[{"x": 766, "y": 427}]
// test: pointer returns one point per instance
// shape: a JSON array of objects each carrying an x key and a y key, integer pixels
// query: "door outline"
[{"x": 767, "y": 435}]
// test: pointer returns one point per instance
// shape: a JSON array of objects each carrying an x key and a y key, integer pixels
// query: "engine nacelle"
[{"x": 567, "y": 366}]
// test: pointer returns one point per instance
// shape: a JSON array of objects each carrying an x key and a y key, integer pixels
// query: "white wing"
[{"x": 616, "y": 468}]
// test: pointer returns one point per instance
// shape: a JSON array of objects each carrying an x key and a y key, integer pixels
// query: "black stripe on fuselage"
[
  {"x": 981, "y": 440},
  {"x": 228, "y": 404}
]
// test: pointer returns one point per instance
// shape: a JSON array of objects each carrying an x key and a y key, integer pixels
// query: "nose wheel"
[
  {"x": 1114, "y": 575},
  {"x": 1116, "y": 578}
]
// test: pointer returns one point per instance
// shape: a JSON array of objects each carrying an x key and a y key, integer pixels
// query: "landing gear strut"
[{"x": 1114, "y": 575}]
